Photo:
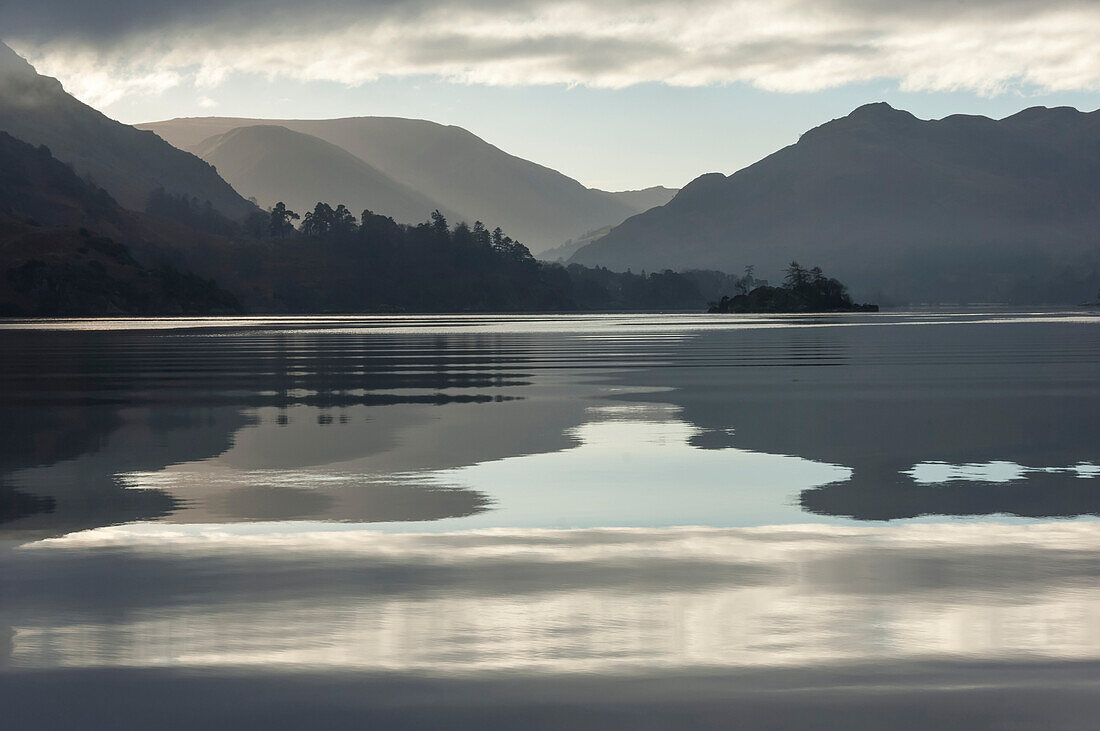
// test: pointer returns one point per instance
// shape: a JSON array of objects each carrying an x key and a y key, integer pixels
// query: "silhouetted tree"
[
  {"x": 281, "y": 220},
  {"x": 796, "y": 277},
  {"x": 343, "y": 222},
  {"x": 481, "y": 235},
  {"x": 320, "y": 221},
  {"x": 439, "y": 222}
]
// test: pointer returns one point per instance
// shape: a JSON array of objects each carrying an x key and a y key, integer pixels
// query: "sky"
[{"x": 619, "y": 94}]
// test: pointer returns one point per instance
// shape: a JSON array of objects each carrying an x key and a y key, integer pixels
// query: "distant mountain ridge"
[
  {"x": 127, "y": 162},
  {"x": 273, "y": 164},
  {"x": 960, "y": 209},
  {"x": 643, "y": 199},
  {"x": 572, "y": 246},
  {"x": 463, "y": 173}
]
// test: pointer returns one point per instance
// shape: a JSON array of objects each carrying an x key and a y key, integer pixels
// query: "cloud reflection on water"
[
  {"x": 555, "y": 601},
  {"x": 997, "y": 471}
]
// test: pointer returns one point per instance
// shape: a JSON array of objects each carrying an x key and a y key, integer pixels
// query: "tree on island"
[
  {"x": 802, "y": 291},
  {"x": 797, "y": 277}
]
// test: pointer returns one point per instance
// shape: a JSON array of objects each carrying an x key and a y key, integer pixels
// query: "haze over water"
[{"x": 598, "y": 518}]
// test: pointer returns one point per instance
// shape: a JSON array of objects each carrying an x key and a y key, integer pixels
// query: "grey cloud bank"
[{"x": 103, "y": 50}]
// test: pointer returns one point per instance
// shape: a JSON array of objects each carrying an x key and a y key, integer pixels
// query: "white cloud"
[{"x": 796, "y": 45}]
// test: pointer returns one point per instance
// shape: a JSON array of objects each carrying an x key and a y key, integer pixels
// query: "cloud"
[{"x": 984, "y": 46}]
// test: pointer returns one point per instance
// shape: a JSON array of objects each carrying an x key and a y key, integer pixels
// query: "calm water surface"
[{"x": 873, "y": 521}]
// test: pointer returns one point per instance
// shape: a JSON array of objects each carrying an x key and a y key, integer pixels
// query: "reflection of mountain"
[
  {"x": 882, "y": 399},
  {"x": 337, "y": 418},
  {"x": 126, "y": 473},
  {"x": 1041, "y": 496},
  {"x": 89, "y": 418},
  {"x": 364, "y": 503},
  {"x": 64, "y": 458},
  {"x": 15, "y": 504}
]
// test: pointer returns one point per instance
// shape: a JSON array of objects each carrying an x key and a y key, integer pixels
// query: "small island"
[{"x": 803, "y": 290}]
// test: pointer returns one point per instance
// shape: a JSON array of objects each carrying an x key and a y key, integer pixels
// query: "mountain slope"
[
  {"x": 126, "y": 162},
  {"x": 537, "y": 205},
  {"x": 55, "y": 260},
  {"x": 563, "y": 252},
  {"x": 274, "y": 164},
  {"x": 960, "y": 209}
]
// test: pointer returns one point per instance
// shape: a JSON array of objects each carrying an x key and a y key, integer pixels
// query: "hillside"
[
  {"x": 56, "y": 260},
  {"x": 273, "y": 164},
  {"x": 126, "y": 162},
  {"x": 447, "y": 164},
  {"x": 67, "y": 248},
  {"x": 963, "y": 209}
]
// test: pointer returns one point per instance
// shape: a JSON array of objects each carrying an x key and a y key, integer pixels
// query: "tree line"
[{"x": 329, "y": 260}]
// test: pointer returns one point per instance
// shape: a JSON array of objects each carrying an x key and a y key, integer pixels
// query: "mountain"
[
  {"x": 126, "y": 162},
  {"x": 644, "y": 199},
  {"x": 56, "y": 260},
  {"x": 639, "y": 200},
  {"x": 962, "y": 209},
  {"x": 272, "y": 164},
  {"x": 563, "y": 252},
  {"x": 534, "y": 204}
]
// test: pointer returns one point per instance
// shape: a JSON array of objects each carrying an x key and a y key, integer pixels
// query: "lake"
[{"x": 587, "y": 521}]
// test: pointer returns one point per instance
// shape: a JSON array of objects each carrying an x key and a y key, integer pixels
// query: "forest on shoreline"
[{"x": 329, "y": 260}]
